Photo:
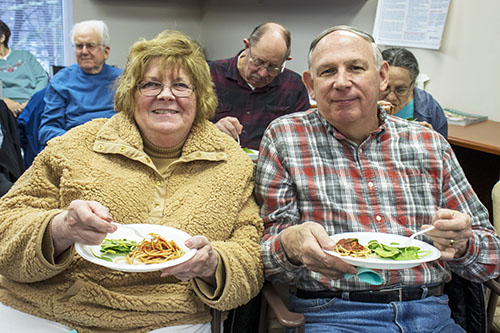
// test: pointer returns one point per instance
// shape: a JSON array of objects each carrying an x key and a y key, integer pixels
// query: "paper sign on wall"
[{"x": 410, "y": 23}]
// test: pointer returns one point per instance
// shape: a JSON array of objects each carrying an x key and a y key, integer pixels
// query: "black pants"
[
  {"x": 11, "y": 161},
  {"x": 244, "y": 319}
]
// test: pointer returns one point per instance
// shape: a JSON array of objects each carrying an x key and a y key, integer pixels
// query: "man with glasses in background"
[
  {"x": 408, "y": 101},
  {"x": 254, "y": 87},
  {"x": 82, "y": 91}
]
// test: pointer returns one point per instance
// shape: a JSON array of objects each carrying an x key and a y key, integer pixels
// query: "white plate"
[
  {"x": 386, "y": 239},
  {"x": 168, "y": 233},
  {"x": 254, "y": 155}
]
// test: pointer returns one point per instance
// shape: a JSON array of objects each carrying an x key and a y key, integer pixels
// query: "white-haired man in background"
[{"x": 82, "y": 91}]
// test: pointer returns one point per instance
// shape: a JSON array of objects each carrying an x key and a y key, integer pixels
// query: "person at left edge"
[
  {"x": 82, "y": 91},
  {"x": 157, "y": 161},
  {"x": 21, "y": 75},
  {"x": 254, "y": 87}
]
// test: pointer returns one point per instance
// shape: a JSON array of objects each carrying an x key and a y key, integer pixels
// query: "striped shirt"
[{"x": 392, "y": 183}]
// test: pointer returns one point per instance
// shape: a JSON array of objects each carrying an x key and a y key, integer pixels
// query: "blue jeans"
[{"x": 431, "y": 314}]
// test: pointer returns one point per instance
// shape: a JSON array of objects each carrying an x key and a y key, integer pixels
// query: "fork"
[
  {"x": 410, "y": 239},
  {"x": 136, "y": 232}
]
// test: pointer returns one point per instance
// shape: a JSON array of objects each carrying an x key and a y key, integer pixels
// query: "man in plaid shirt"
[
  {"x": 349, "y": 167},
  {"x": 255, "y": 88}
]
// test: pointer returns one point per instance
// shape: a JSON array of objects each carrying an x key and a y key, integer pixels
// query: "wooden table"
[
  {"x": 477, "y": 147},
  {"x": 483, "y": 136}
]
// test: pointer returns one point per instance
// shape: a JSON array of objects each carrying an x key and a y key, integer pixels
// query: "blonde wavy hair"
[{"x": 174, "y": 50}]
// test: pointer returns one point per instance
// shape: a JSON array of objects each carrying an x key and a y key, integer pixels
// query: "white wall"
[
  {"x": 463, "y": 74},
  {"x": 130, "y": 20},
  {"x": 227, "y": 22}
]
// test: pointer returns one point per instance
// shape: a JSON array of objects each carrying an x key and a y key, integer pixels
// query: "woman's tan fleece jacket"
[{"x": 208, "y": 191}]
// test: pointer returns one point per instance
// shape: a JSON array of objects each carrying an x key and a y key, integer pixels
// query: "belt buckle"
[{"x": 398, "y": 289}]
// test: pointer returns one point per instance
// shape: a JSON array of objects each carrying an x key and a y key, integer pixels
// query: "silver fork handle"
[{"x": 137, "y": 232}]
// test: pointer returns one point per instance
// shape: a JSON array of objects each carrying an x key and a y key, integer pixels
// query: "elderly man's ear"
[
  {"x": 247, "y": 43},
  {"x": 384, "y": 76},
  {"x": 309, "y": 83}
]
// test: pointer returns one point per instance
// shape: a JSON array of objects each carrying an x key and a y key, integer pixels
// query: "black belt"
[{"x": 376, "y": 296}]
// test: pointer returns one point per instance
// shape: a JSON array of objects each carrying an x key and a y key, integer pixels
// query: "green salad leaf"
[
  {"x": 396, "y": 253},
  {"x": 248, "y": 150},
  {"x": 115, "y": 247}
]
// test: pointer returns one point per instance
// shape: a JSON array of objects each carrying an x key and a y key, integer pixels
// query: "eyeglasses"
[
  {"x": 90, "y": 46},
  {"x": 153, "y": 89},
  {"x": 399, "y": 92},
  {"x": 259, "y": 64}
]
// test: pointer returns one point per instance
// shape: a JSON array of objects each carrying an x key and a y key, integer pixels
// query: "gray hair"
[
  {"x": 400, "y": 57},
  {"x": 261, "y": 29},
  {"x": 377, "y": 56},
  {"x": 96, "y": 25}
]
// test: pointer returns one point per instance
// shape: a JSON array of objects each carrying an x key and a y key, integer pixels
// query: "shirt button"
[
  {"x": 378, "y": 218},
  {"x": 156, "y": 205},
  {"x": 370, "y": 184},
  {"x": 122, "y": 149},
  {"x": 248, "y": 112},
  {"x": 100, "y": 147},
  {"x": 148, "y": 160},
  {"x": 158, "y": 183}
]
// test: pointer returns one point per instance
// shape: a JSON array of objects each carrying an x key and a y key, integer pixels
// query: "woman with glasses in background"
[
  {"x": 408, "y": 101},
  {"x": 21, "y": 75},
  {"x": 157, "y": 161}
]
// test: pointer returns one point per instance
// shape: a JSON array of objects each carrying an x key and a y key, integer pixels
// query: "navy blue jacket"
[{"x": 426, "y": 108}]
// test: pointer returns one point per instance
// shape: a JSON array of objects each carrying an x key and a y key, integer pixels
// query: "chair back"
[{"x": 54, "y": 69}]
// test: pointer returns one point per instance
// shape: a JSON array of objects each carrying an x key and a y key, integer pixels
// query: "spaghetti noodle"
[
  {"x": 351, "y": 247},
  {"x": 154, "y": 251}
]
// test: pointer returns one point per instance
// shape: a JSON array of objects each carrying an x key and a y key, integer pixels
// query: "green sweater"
[
  {"x": 207, "y": 191},
  {"x": 21, "y": 75}
]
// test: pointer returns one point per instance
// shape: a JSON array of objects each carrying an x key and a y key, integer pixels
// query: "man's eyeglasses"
[
  {"x": 399, "y": 92},
  {"x": 259, "y": 64},
  {"x": 90, "y": 46},
  {"x": 153, "y": 89}
]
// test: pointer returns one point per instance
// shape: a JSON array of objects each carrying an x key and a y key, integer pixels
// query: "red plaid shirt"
[
  {"x": 255, "y": 109},
  {"x": 393, "y": 183}
]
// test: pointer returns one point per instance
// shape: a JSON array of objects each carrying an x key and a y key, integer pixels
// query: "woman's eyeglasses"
[
  {"x": 153, "y": 89},
  {"x": 399, "y": 92}
]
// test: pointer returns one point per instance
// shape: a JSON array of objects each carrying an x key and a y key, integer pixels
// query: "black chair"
[{"x": 54, "y": 69}]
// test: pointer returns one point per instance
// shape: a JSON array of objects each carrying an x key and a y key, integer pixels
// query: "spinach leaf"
[{"x": 395, "y": 253}]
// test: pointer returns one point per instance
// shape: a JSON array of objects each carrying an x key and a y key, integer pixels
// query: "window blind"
[{"x": 38, "y": 27}]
